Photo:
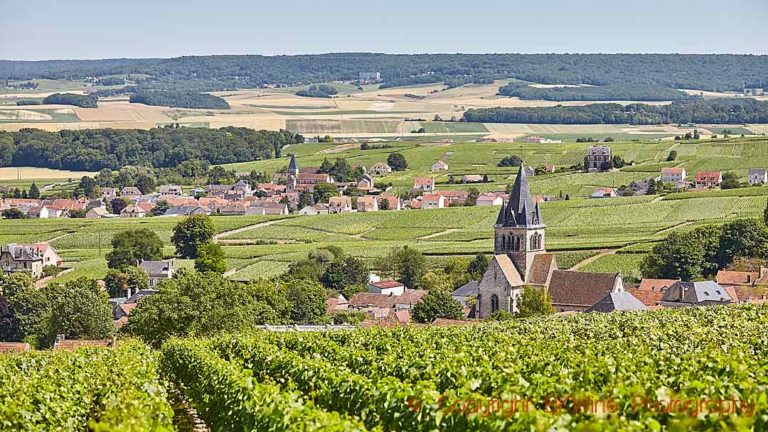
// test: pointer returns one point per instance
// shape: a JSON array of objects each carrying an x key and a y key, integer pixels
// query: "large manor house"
[{"x": 520, "y": 259}]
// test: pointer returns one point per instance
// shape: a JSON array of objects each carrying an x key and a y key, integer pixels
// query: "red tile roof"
[
  {"x": 73, "y": 344},
  {"x": 647, "y": 297},
  {"x": 13, "y": 347},
  {"x": 656, "y": 284},
  {"x": 387, "y": 284},
  {"x": 727, "y": 277},
  {"x": 708, "y": 176},
  {"x": 580, "y": 289}
]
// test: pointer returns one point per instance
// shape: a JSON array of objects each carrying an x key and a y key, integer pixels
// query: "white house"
[
  {"x": 158, "y": 271},
  {"x": 604, "y": 193},
  {"x": 672, "y": 175},
  {"x": 439, "y": 166},
  {"x": 387, "y": 287},
  {"x": 758, "y": 176},
  {"x": 133, "y": 211},
  {"x": 175, "y": 190},
  {"x": 432, "y": 201},
  {"x": 490, "y": 199}
]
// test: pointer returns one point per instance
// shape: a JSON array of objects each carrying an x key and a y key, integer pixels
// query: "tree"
[
  {"x": 436, "y": 281},
  {"x": 118, "y": 204},
  {"x": 765, "y": 214},
  {"x": 346, "y": 273},
  {"x": 87, "y": 187},
  {"x": 478, "y": 266},
  {"x": 131, "y": 247},
  {"x": 160, "y": 208},
  {"x": 437, "y": 304},
  {"x": 384, "y": 204},
  {"x": 510, "y": 161},
  {"x": 13, "y": 213},
  {"x": 501, "y": 315},
  {"x": 199, "y": 304},
  {"x": 210, "y": 258},
  {"x": 410, "y": 266},
  {"x": 79, "y": 310},
  {"x": 672, "y": 156},
  {"x": 324, "y": 191},
  {"x": 307, "y": 301},
  {"x": 397, "y": 162},
  {"x": 474, "y": 193},
  {"x": 742, "y": 238},
  {"x": 34, "y": 192},
  {"x": 617, "y": 162},
  {"x": 653, "y": 187},
  {"x": 305, "y": 199},
  {"x": 127, "y": 282},
  {"x": 535, "y": 301},
  {"x": 687, "y": 256},
  {"x": 191, "y": 233},
  {"x": 730, "y": 181},
  {"x": 9, "y": 325}
]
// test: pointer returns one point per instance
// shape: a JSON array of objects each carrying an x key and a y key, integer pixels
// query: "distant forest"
[
  {"x": 92, "y": 150},
  {"x": 179, "y": 99},
  {"x": 644, "y": 72},
  {"x": 616, "y": 92},
  {"x": 715, "y": 111},
  {"x": 81, "y": 101},
  {"x": 318, "y": 91}
]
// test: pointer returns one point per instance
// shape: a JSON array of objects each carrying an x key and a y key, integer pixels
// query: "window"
[{"x": 494, "y": 303}]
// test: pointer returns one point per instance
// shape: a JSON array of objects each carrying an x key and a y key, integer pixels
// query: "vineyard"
[{"x": 684, "y": 369}]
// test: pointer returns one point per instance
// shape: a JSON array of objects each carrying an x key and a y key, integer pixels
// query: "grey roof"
[
  {"x": 617, "y": 301},
  {"x": 469, "y": 289},
  {"x": 156, "y": 268},
  {"x": 138, "y": 296},
  {"x": 760, "y": 171},
  {"x": 696, "y": 292},
  {"x": 520, "y": 210},
  {"x": 22, "y": 252},
  {"x": 293, "y": 165}
]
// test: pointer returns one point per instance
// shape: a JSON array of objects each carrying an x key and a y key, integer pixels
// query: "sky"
[{"x": 80, "y": 29}]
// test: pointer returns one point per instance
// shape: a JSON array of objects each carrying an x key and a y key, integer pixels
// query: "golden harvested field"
[
  {"x": 28, "y": 173},
  {"x": 369, "y": 112}
]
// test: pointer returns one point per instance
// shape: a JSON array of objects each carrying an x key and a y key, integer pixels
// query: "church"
[{"x": 520, "y": 259}]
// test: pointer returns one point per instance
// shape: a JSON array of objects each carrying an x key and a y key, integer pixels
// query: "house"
[
  {"x": 233, "y": 209},
  {"x": 639, "y": 187},
  {"x": 380, "y": 169},
  {"x": 217, "y": 190},
  {"x": 617, "y": 301},
  {"x": 757, "y": 176},
  {"x": 50, "y": 256},
  {"x": 187, "y": 210},
  {"x": 454, "y": 197},
  {"x": 604, "y": 193},
  {"x": 270, "y": 189},
  {"x": 316, "y": 209},
  {"x": 733, "y": 278},
  {"x": 708, "y": 179},
  {"x": 174, "y": 190},
  {"x": 598, "y": 158},
  {"x": 340, "y": 204},
  {"x": 490, "y": 199},
  {"x": 380, "y": 306},
  {"x": 267, "y": 208},
  {"x": 242, "y": 187},
  {"x": 367, "y": 203},
  {"x": 684, "y": 294},
  {"x": 540, "y": 140},
  {"x": 133, "y": 211},
  {"x": 658, "y": 285},
  {"x": 423, "y": 184},
  {"x": 651, "y": 299},
  {"x": 158, "y": 271},
  {"x": 471, "y": 178},
  {"x": 387, "y": 287},
  {"x": 130, "y": 192},
  {"x": 365, "y": 183},
  {"x": 393, "y": 201},
  {"x": 336, "y": 304},
  {"x": 48, "y": 212},
  {"x": 22, "y": 258},
  {"x": 97, "y": 213},
  {"x": 439, "y": 166},
  {"x": 466, "y": 293},
  {"x": 432, "y": 201},
  {"x": 673, "y": 175},
  {"x": 108, "y": 192},
  {"x": 578, "y": 291}
]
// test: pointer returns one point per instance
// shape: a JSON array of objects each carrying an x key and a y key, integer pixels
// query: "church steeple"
[
  {"x": 520, "y": 210},
  {"x": 519, "y": 229},
  {"x": 293, "y": 166}
]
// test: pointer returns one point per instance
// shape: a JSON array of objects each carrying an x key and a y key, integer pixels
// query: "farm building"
[
  {"x": 604, "y": 193},
  {"x": 432, "y": 201},
  {"x": 708, "y": 179},
  {"x": 471, "y": 178},
  {"x": 423, "y": 184},
  {"x": 672, "y": 175},
  {"x": 439, "y": 166},
  {"x": 380, "y": 169},
  {"x": 454, "y": 197},
  {"x": 490, "y": 199},
  {"x": 598, "y": 158},
  {"x": 757, "y": 176},
  {"x": 367, "y": 203}
]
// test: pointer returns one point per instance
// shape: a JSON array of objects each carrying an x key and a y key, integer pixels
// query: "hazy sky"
[{"x": 51, "y": 29}]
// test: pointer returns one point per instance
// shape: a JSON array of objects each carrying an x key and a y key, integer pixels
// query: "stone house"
[{"x": 757, "y": 176}]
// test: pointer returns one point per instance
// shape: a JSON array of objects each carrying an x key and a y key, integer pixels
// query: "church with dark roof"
[{"x": 520, "y": 259}]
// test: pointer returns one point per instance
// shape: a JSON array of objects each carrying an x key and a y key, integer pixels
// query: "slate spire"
[{"x": 520, "y": 210}]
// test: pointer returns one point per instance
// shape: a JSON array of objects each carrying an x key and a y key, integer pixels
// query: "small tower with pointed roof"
[
  {"x": 519, "y": 229},
  {"x": 291, "y": 180}
]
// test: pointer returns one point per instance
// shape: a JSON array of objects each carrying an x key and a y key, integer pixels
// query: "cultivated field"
[{"x": 362, "y": 113}]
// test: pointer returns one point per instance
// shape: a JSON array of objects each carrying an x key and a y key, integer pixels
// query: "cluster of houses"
[{"x": 30, "y": 258}]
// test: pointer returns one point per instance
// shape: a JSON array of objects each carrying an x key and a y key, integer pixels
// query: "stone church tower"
[
  {"x": 292, "y": 178},
  {"x": 519, "y": 256},
  {"x": 519, "y": 229}
]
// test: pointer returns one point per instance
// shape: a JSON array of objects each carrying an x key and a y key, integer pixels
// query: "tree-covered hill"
[{"x": 209, "y": 73}]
